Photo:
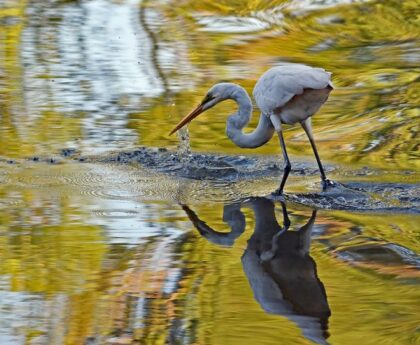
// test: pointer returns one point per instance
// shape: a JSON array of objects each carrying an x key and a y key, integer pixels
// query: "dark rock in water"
[
  {"x": 68, "y": 152},
  {"x": 39, "y": 159}
]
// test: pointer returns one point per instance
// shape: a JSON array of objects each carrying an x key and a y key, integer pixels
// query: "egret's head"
[{"x": 216, "y": 94}]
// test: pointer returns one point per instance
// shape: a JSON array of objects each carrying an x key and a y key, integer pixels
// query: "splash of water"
[{"x": 184, "y": 147}]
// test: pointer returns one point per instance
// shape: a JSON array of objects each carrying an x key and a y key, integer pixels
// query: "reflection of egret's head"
[
  {"x": 232, "y": 216},
  {"x": 277, "y": 263}
]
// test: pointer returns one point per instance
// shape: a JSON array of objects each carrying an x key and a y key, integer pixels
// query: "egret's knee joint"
[{"x": 275, "y": 120}]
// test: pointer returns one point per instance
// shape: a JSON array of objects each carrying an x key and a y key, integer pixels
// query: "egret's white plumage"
[
  {"x": 294, "y": 92},
  {"x": 285, "y": 94}
]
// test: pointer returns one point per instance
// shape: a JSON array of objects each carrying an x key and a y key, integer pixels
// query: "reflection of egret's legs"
[
  {"x": 286, "y": 220},
  {"x": 269, "y": 254},
  {"x": 305, "y": 234}
]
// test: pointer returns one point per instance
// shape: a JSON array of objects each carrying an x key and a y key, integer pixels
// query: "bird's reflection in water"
[{"x": 277, "y": 263}]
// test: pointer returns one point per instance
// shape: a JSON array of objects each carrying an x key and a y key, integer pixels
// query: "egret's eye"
[{"x": 208, "y": 98}]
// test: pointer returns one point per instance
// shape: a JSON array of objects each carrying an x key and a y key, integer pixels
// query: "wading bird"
[{"x": 287, "y": 94}]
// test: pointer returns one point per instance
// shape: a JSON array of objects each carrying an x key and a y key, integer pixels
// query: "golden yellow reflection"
[{"x": 90, "y": 256}]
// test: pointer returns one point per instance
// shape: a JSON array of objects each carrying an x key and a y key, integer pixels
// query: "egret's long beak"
[{"x": 191, "y": 116}]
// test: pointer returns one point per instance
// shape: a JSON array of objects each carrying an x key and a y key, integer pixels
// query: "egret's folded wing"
[{"x": 278, "y": 85}]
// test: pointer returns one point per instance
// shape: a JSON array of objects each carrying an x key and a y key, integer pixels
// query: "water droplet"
[{"x": 184, "y": 147}]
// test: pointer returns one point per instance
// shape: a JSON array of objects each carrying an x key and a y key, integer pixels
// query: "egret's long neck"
[{"x": 240, "y": 119}]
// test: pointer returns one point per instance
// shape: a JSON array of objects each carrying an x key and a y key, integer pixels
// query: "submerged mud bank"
[
  {"x": 200, "y": 166},
  {"x": 230, "y": 169},
  {"x": 365, "y": 197}
]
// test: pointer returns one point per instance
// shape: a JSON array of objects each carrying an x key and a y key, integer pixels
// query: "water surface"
[{"x": 102, "y": 252}]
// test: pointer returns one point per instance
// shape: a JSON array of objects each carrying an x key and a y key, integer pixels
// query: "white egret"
[{"x": 287, "y": 94}]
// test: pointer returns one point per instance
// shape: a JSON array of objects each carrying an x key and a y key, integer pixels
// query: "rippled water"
[{"x": 96, "y": 249}]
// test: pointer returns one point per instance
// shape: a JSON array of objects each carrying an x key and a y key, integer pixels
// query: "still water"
[{"x": 95, "y": 252}]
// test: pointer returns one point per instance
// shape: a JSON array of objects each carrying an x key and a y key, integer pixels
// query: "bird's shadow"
[{"x": 277, "y": 263}]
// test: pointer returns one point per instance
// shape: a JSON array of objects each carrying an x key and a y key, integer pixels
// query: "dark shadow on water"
[{"x": 277, "y": 263}]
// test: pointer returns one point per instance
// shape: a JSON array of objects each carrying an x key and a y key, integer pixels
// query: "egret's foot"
[
  {"x": 277, "y": 195},
  {"x": 327, "y": 184}
]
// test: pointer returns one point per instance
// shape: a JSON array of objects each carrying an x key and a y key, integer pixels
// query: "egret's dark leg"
[
  {"x": 308, "y": 130},
  {"x": 287, "y": 165},
  {"x": 275, "y": 120}
]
